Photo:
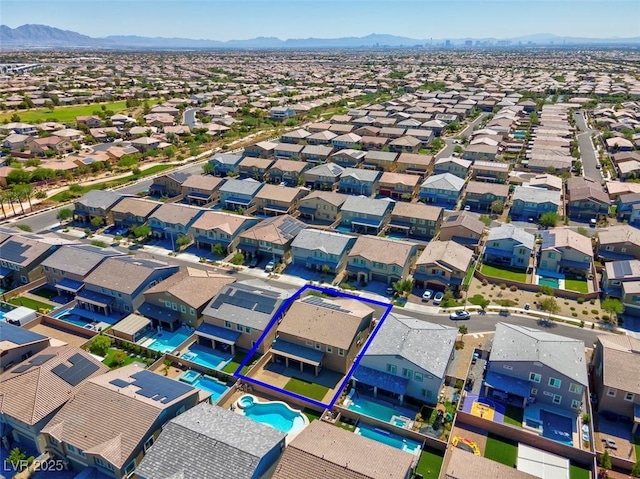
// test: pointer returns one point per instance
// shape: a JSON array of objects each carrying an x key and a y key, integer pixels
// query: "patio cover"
[
  {"x": 164, "y": 315},
  {"x": 381, "y": 379},
  {"x": 70, "y": 285},
  {"x": 297, "y": 352},
  {"x": 497, "y": 251},
  {"x": 549, "y": 274},
  {"x": 574, "y": 264},
  {"x": 132, "y": 324},
  {"x": 226, "y": 336},
  {"x": 4, "y": 272},
  {"x": 97, "y": 299},
  {"x": 238, "y": 201},
  {"x": 508, "y": 384},
  {"x": 276, "y": 208},
  {"x": 368, "y": 223}
]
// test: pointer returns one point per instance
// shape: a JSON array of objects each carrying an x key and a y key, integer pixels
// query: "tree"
[
  {"x": 546, "y": 290},
  {"x": 146, "y": 108},
  {"x": 463, "y": 330},
  {"x": 458, "y": 149},
  {"x": 26, "y": 192},
  {"x": 15, "y": 118},
  {"x": 635, "y": 470},
  {"x": 16, "y": 458},
  {"x": 141, "y": 231},
  {"x": 497, "y": 207},
  {"x": 486, "y": 220},
  {"x": 208, "y": 169},
  {"x": 18, "y": 176},
  {"x": 64, "y": 214},
  {"x": 326, "y": 269},
  {"x": 550, "y": 305},
  {"x": 100, "y": 345},
  {"x": 182, "y": 240},
  {"x": 119, "y": 357},
  {"x": 218, "y": 249},
  {"x": 605, "y": 460},
  {"x": 97, "y": 221},
  {"x": 549, "y": 219},
  {"x": 403, "y": 287},
  {"x": 237, "y": 259},
  {"x": 577, "y": 165},
  {"x": 19, "y": 195},
  {"x": 614, "y": 307}
]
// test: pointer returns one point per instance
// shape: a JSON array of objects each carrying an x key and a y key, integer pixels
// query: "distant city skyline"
[{"x": 242, "y": 19}]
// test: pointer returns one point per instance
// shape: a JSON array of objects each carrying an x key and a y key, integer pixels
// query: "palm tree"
[
  {"x": 11, "y": 197},
  {"x": 28, "y": 194},
  {"x": 3, "y": 198},
  {"x": 18, "y": 192}
]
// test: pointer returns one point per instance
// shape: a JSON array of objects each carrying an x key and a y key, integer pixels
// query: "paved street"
[{"x": 588, "y": 155}]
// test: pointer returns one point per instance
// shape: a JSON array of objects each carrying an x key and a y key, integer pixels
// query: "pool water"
[
  {"x": 207, "y": 357},
  {"x": 74, "y": 319},
  {"x": 275, "y": 414},
  {"x": 167, "y": 341},
  {"x": 557, "y": 428},
  {"x": 390, "y": 439},
  {"x": 377, "y": 410},
  {"x": 215, "y": 387},
  {"x": 553, "y": 282},
  {"x": 189, "y": 376},
  {"x": 399, "y": 422}
]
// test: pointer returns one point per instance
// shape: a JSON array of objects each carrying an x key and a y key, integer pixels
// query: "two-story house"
[
  {"x": 480, "y": 151},
  {"x": 530, "y": 364},
  {"x": 295, "y": 136},
  {"x": 19, "y": 344},
  {"x": 456, "y": 166},
  {"x": 281, "y": 113},
  {"x": 442, "y": 265},
  {"x": 380, "y": 259},
  {"x": 355, "y": 181},
  {"x": 380, "y": 160},
  {"x": 21, "y": 258},
  {"x": 443, "y": 190},
  {"x": 262, "y": 149},
  {"x": 96, "y": 204},
  {"x": 274, "y": 200},
  {"x": 321, "y": 250},
  {"x": 348, "y": 140},
  {"x": 618, "y": 242},
  {"x": 256, "y": 168},
  {"x": 414, "y": 164},
  {"x": 490, "y": 171},
  {"x": 365, "y": 215},
  {"x": 322, "y": 137},
  {"x": 348, "y": 158},
  {"x": 132, "y": 211},
  {"x": 270, "y": 238},
  {"x": 217, "y": 227},
  {"x": 239, "y": 194},
  {"x": 416, "y": 220},
  {"x": 322, "y": 206},
  {"x": 323, "y": 177},
  {"x": 288, "y": 172},
  {"x": 316, "y": 154},
  {"x": 528, "y": 202},
  {"x": 225, "y": 164},
  {"x": 586, "y": 199},
  {"x": 169, "y": 185},
  {"x": 398, "y": 186},
  {"x": 508, "y": 245},
  {"x": 405, "y": 144},
  {"x": 616, "y": 273},
  {"x": 565, "y": 251},
  {"x": 481, "y": 196},
  {"x": 407, "y": 358},
  {"x": 628, "y": 208},
  {"x": 288, "y": 151},
  {"x": 172, "y": 221},
  {"x": 201, "y": 190}
]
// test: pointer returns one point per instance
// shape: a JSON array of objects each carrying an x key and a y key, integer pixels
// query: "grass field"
[
  {"x": 309, "y": 390},
  {"x": 430, "y": 463},
  {"x": 505, "y": 273},
  {"x": 513, "y": 415},
  {"x": 45, "y": 293},
  {"x": 30, "y": 303},
  {"x": 578, "y": 285},
  {"x": 236, "y": 361},
  {"x": 311, "y": 414},
  {"x": 636, "y": 442},
  {"x": 578, "y": 472},
  {"x": 501, "y": 450},
  {"x": 109, "y": 361},
  {"x": 65, "y": 114}
]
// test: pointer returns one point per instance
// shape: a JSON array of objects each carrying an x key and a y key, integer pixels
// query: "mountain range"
[{"x": 44, "y": 36}]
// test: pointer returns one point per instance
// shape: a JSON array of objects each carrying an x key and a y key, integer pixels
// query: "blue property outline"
[{"x": 284, "y": 307}]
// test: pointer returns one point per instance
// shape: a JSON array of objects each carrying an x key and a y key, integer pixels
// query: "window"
[
  {"x": 102, "y": 463},
  {"x": 547, "y": 393},
  {"x": 340, "y": 352},
  {"x": 174, "y": 306},
  {"x": 227, "y": 324},
  {"x": 247, "y": 329},
  {"x": 129, "y": 468},
  {"x": 507, "y": 367},
  {"x": 555, "y": 383},
  {"x": 167, "y": 304},
  {"x": 611, "y": 392},
  {"x": 535, "y": 377},
  {"x": 552, "y": 255},
  {"x": 557, "y": 399},
  {"x": 308, "y": 342},
  {"x": 534, "y": 391},
  {"x": 426, "y": 393},
  {"x": 148, "y": 443},
  {"x": 417, "y": 376},
  {"x": 407, "y": 373},
  {"x": 53, "y": 441},
  {"x": 575, "y": 404},
  {"x": 192, "y": 311},
  {"x": 628, "y": 397},
  {"x": 318, "y": 346},
  {"x": 391, "y": 368},
  {"x": 329, "y": 349},
  {"x": 239, "y": 327},
  {"x": 183, "y": 308},
  {"x": 575, "y": 388},
  {"x": 126, "y": 307}
]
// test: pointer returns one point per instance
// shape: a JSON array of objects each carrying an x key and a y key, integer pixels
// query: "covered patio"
[
  {"x": 388, "y": 385},
  {"x": 504, "y": 387},
  {"x": 69, "y": 286},
  {"x": 366, "y": 226},
  {"x": 215, "y": 336},
  {"x": 236, "y": 203},
  {"x": 95, "y": 302},
  {"x": 160, "y": 316},
  {"x": 300, "y": 355}
]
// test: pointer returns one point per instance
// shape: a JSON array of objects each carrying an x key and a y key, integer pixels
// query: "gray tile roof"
[
  {"x": 241, "y": 187},
  {"x": 427, "y": 345},
  {"x": 328, "y": 169},
  {"x": 519, "y": 343},
  {"x": 326, "y": 241},
  {"x": 99, "y": 199},
  {"x": 509, "y": 231},
  {"x": 126, "y": 273},
  {"x": 226, "y": 159},
  {"x": 445, "y": 182},
  {"x": 536, "y": 195},
  {"x": 79, "y": 259},
  {"x": 209, "y": 442},
  {"x": 370, "y": 206},
  {"x": 361, "y": 175}
]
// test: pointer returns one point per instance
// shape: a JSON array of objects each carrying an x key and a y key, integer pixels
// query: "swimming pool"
[
  {"x": 207, "y": 357},
  {"x": 215, "y": 387},
  {"x": 72, "y": 318},
  {"x": 557, "y": 428},
  {"x": 378, "y": 410},
  {"x": 189, "y": 376},
  {"x": 167, "y": 341},
  {"x": 390, "y": 439},
  {"x": 273, "y": 413},
  {"x": 553, "y": 282}
]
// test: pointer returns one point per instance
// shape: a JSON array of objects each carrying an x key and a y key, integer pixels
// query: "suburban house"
[
  {"x": 201, "y": 190},
  {"x": 380, "y": 160},
  {"x": 132, "y": 211},
  {"x": 255, "y": 168},
  {"x": 21, "y": 259},
  {"x": 134, "y": 404},
  {"x": 618, "y": 242},
  {"x": 453, "y": 165},
  {"x": 528, "y": 202},
  {"x": 462, "y": 464},
  {"x": 208, "y": 438},
  {"x": 380, "y": 259},
  {"x": 322, "y": 177},
  {"x": 181, "y": 298},
  {"x": 442, "y": 189},
  {"x": 273, "y": 200},
  {"x": 405, "y": 144},
  {"x": 286, "y": 171},
  {"x": 442, "y": 265},
  {"x": 481, "y": 196},
  {"x": 321, "y": 250},
  {"x": 371, "y": 143},
  {"x": 322, "y": 137},
  {"x": 356, "y": 181},
  {"x": 490, "y": 171},
  {"x": 263, "y": 149},
  {"x": 546, "y": 182},
  {"x": 270, "y": 238},
  {"x": 172, "y": 221},
  {"x": 586, "y": 199},
  {"x": 322, "y": 333},
  {"x": 508, "y": 245},
  {"x": 530, "y": 364},
  {"x": 348, "y": 140},
  {"x": 96, "y": 204},
  {"x": 316, "y": 154},
  {"x": 322, "y": 206},
  {"x": 169, "y": 185},
  {"x": 618, "y": 392},
  {"x": 628, "y": 208},
  {"x": 286, "y": 151},
  {"x": 295, "y": 136},
  {"x": 348, "y": 158},
  {"x": 398, "y": 186},
  {"x": 565, "y": 251},
  {"x": 365, "y": 215},
  {"x": 236, "y": 194},
  {"x": 225, "y": 164},
  {"x": 616, "y": 273},
  {"x": 462, "y": 227},
  {"x": 408, "y": 358},
  {"x": 239, "y": 314},
  {"x": 18, "y": 344},
  {"x": 416, "y": 220},
  {"x": 217, "y": 227},
  {"x": 281, "y": 113},
  {"x": 34, "y": 390},
  {"x": 118, "y": 282},
  {"x": 414, "y": 164},
  {"x": 67, "y": 268},
  {"x": 41, "y": 146},
  {"x": 481, "y": 152}
]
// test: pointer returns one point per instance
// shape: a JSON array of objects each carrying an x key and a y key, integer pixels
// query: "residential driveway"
[{"x": 587, "y": 152}]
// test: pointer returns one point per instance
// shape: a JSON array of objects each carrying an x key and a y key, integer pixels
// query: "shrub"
[
  {"x": 582, "y": 324},
  {"x": 100, "y": 345},
  {"x": 572, "y": 308},
  {"x": 585, "y": 312},
  {"x": 513, "y": 288},
  {"x": 592, "y": 301},
  {"x": 503, "y": 286},
  {"x": 594, "y": 312},
  {"x": 606, "y": 317},
  {"x": 575, "y": 315},
  {"x": 580, "y": 300},
  {"x": 485, "y": 282}
]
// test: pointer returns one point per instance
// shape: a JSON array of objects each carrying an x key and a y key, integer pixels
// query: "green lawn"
[
  {"x": 504, "y": 273},
  {"x": 65, "y": 114},
  {"x": 45, "y": 293},
  {"x": 636, "y": 441},
  {"x": 345, "y": 426},
  {"x": 30, "y": 303},
  {"x": 311, "y": 414},
  {"x": 235, "y": 362},
  {"x": 578, "y": 285},
  {"x": 430, "y": 463},
  {"x": 578, "y": 472},
  {"x": 111, "y": 363},
  {"x": 467, "y": 278},
  {"x": 513, "y": 415},
  {"x": 309, "y": 390},
  {"x": 501, "y": 450}
]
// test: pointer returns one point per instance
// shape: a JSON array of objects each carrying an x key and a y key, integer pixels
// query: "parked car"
[
  {"x": 253, "y": 262},
  {"x": 437, "y": 299},
  {"x": 467, "y": 208},
  {"x": 270, "y": 266},
  {"x": 427, "y": 295},
  {"x": 460, "y": 315}
]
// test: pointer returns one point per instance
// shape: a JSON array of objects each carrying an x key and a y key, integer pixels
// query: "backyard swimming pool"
[
  {"x": 74, "y": 319},
  {"x": 206, "y": 383},
  {"x": 379, "y": 410},
  {"x": 273, "y": 413},
  {"x": 557, "y": 428},
  {"x": 207, "y": 357},
  {"x": 166, "y": 341},
  {"x": 553, "y": 282},
  {"x": 390, "y": 439}
]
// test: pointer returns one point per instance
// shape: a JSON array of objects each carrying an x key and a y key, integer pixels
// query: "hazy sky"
[{"x": 241, "y": 19}]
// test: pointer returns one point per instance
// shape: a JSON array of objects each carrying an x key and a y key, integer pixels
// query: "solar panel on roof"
[
  {"x": 14, "y": 251},
  {"x": 81, "y": 368},
  {"x": 17, "y": 335},
  {"x": 158, "y": 387},
  {"x": 120, "y": 383},
  {"x": 22, "y": 368},
  {"x": 621, "y": 268},
  {"x": 37, "y": 361}
]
